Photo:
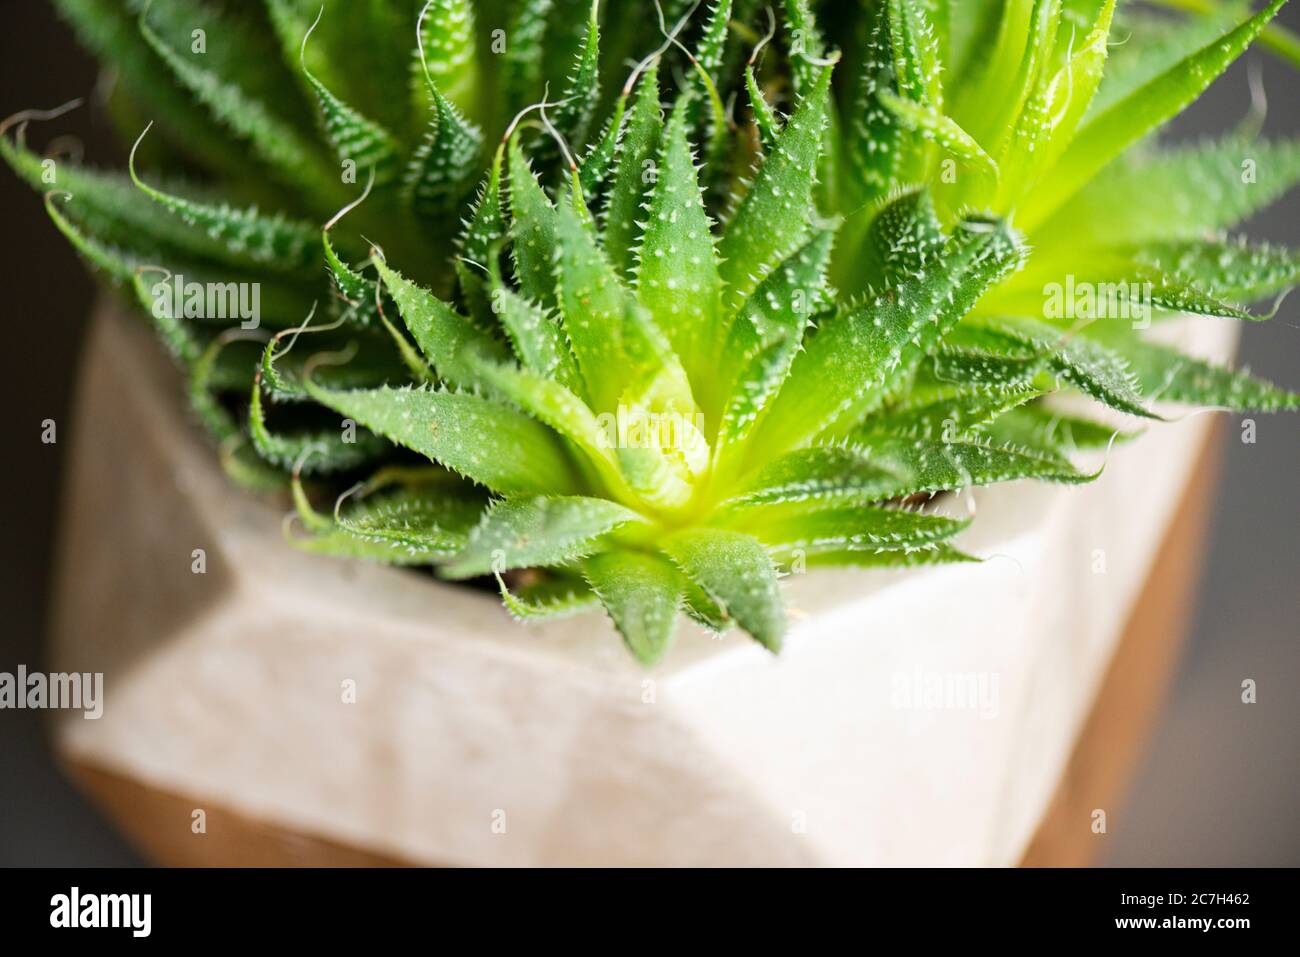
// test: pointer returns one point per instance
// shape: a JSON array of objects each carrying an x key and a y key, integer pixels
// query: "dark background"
[{"x": 1220, "y": 780}]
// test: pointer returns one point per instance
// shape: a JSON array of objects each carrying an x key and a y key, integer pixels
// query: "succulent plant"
[{"x": 734, "y": 295}]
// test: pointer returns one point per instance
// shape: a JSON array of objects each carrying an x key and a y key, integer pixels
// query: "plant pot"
[{"x": 475, "y": 740}]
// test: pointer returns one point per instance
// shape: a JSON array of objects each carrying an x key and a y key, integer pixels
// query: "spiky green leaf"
[
  {"x": 538, "y": 530},
  {"x": 1110, "y": 133},
  {"x": 641, "y": 592},
  {"x": 769, "y": 224},
  {"x": 443, "y": 334},
  {"x": 854, "y": 353},
  {"x": 734, "y": 570},
  {"x": 488, "y": 443}
]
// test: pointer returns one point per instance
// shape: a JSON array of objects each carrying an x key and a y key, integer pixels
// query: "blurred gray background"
[{"x": 1219, "y": 782}]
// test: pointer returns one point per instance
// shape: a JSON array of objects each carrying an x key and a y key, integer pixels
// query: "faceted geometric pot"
[{"x": 322, "y": 711}]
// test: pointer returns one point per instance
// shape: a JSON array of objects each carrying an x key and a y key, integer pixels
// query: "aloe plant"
[{"x": 735, "y": 300}]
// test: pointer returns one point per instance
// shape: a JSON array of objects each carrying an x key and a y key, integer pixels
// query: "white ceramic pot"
[{"x": 914, "y": 718}]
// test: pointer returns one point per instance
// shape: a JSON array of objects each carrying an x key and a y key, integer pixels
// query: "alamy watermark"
[
  {"x": 631, "y": 428},
  {"x": 82, "y": 691},
  {"x": 74, "y": 909},
  {"x": 977, "y": 691},
  {"x": 1127, "y": 301},
  {"x": 178, "y": 298}
]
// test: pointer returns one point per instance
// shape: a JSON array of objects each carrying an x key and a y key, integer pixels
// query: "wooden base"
[
  {"x": 1135, "y": 686},
  {"x": 159, "y": 824}
]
